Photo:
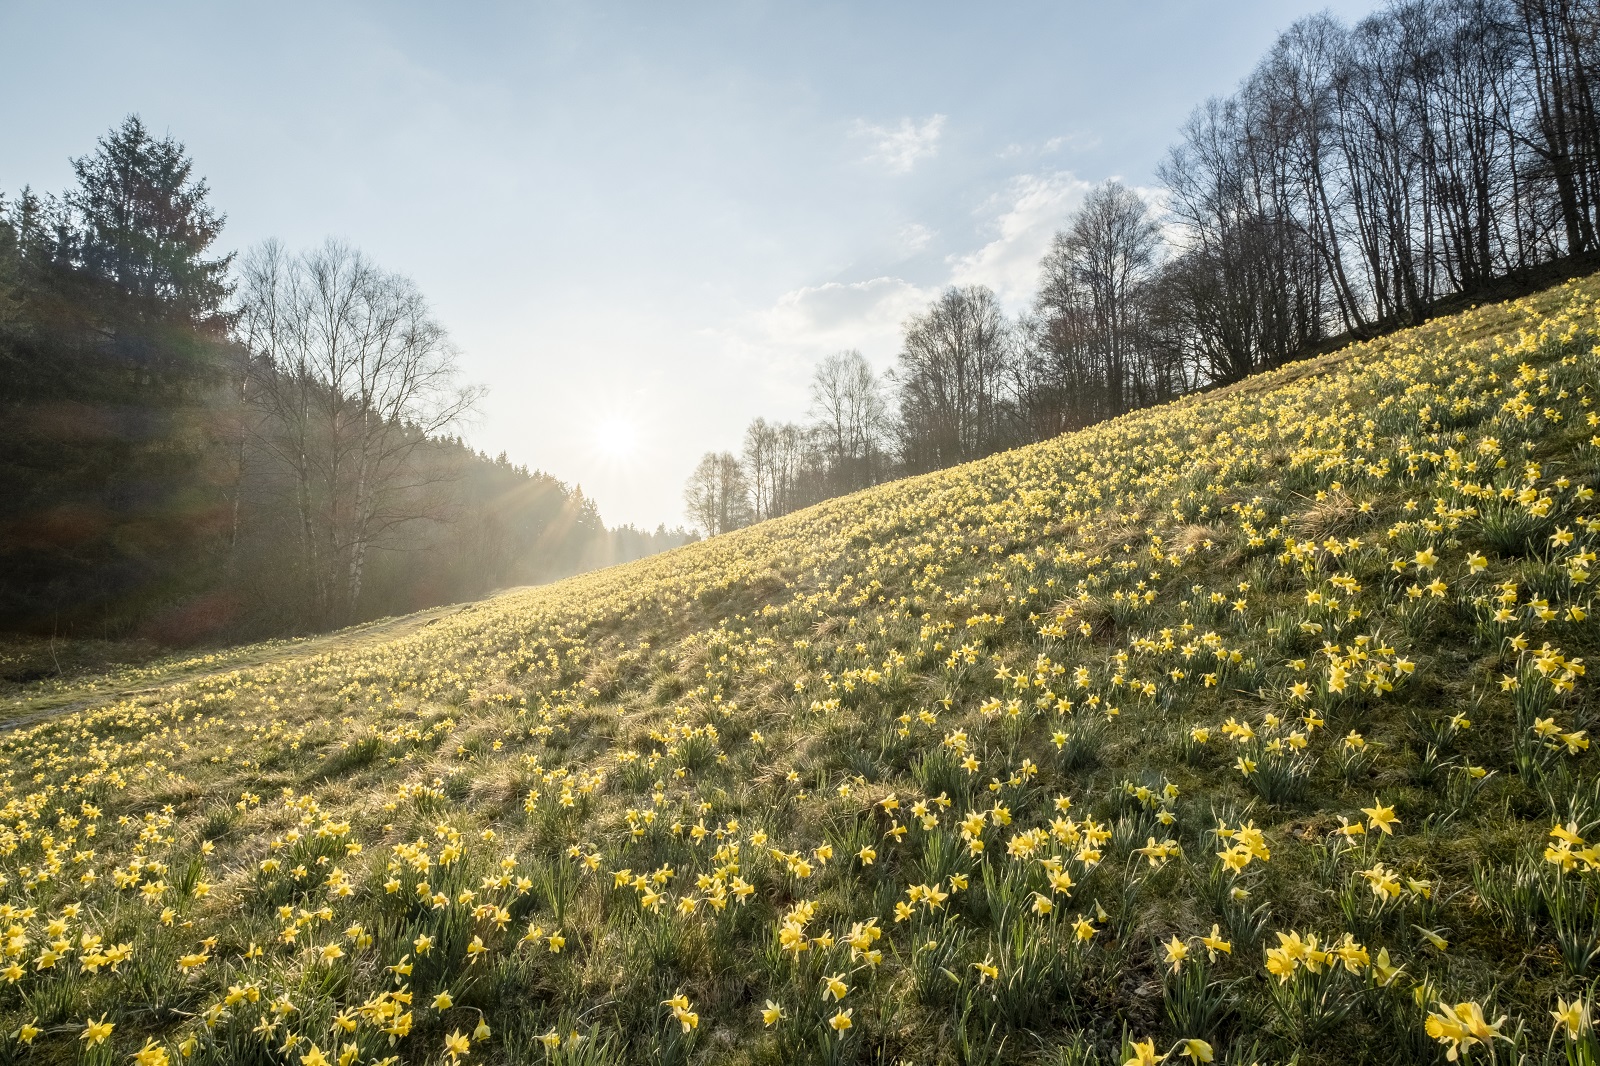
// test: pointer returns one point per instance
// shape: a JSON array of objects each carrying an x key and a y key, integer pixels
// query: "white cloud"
[
  {"x": 1071, "y": 142},
  {"x": 816, "y": 319},
  {"x": 772, "y": 349},
  {"x": 1026, "y": 217},
  {"x": 898, "y": 148},
  {"x": 914, "y": 237},
  {"x": 779, "y": 345}
]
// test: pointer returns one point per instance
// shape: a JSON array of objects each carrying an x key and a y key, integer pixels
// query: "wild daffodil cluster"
[{"x": 1257, "y": 723}]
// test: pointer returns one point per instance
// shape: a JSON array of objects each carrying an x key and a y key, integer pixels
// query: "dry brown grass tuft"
[{"x": 1338, "y": 514}]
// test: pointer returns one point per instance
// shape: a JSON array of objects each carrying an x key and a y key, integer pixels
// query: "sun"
[{"x": 616, "y": 437}]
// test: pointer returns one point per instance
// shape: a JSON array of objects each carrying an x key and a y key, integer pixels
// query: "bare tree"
[
  {"x": 955, "y": 362},
  {"x": 1090, "y": 311},
  {"x": 717, "y": 497},
  {"x": 1362, "y": 173},
  {"x": 800, "y": 472},
  {"x": 1246, "y": 287},
  {"x": 1472, "y": 175},
  {"x": 1561, "y": 65},
  {"x": 355, "y": 375},
  {"x": 850, "y": 419},
  {"x": 761, "y": 463}
]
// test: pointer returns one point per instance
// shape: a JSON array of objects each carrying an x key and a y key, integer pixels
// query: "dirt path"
[{"x": 50, "y": 700}]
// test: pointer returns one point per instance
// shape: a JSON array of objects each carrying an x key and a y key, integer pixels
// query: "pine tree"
[
  {"x": 144, "y": 226},
  {"x": 113, "y": 342}
]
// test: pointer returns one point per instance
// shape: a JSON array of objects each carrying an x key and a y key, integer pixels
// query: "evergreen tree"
[
  {"x": 144, "y": 226},
  {"x": 112, "y": 336}
]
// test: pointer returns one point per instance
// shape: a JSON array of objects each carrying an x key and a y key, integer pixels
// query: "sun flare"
[{"x": 617, "y": 437}]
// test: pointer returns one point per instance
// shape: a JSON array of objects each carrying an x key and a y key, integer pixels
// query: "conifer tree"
[{"x": 144, "y": 226}]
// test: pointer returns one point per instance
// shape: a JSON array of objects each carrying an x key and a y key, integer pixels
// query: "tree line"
[
  {"x": 197, "y": 445},
  {"x": 1359, "y": 176}
]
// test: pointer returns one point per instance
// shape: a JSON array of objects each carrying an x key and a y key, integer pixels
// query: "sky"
[{"x": 643, "y": 224}]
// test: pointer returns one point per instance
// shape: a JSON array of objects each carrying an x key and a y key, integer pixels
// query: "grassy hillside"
[{"x": 1245, "y": 720}]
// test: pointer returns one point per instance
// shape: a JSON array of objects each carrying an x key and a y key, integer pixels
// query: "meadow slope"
[{"x": 1251, "y": 726}]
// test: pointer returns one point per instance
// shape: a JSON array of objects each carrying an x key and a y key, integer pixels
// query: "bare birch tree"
[
  {"x": 954, "y": 366},
  {"x": 851, "y": 419},
  {"x": 717, "y": 497},
  {"x": 355, "y": 375}
]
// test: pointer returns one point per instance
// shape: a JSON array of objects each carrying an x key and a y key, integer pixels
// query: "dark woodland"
[{"x": 199, "y": 446}]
